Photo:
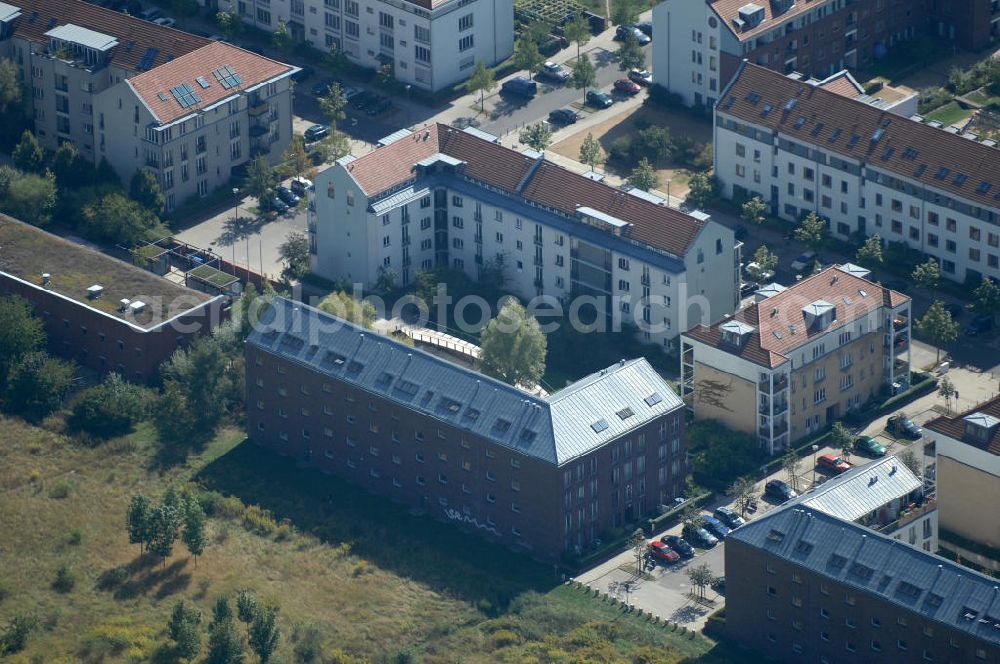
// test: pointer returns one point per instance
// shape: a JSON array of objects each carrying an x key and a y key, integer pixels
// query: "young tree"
[
  {"x": 790, "y": 464},
  {"x": 71, "y": 170},
  {"x": 184, "y": 630},
  {"x": 526, "y": 54},
  {"x": 31, "y": 198},
  {"x": 37, "y": 384},
  {"x": 946, "y": 389},
  {"x": 10, "y": 87},
  {"x": 987, "y": 302},
  {"x": 703, "y": 190},
  {"x": 261, "y": 179},
  {"x": 281, "y": 37},
  {"x": 584, "y": 75},
  {"x": 763, "y": 264},
  {"x": 625, "y": 12},
  {"x": 247, "y": 607},
  {"x": 28, "y": 154},
  {"x": 332, "y": 104},
  {"x": 512, "y": 347},
  {"x": 221, "y": 611},
  {"x": 138, "y": 519},
  {"x": 536, "y": 136},
  {"x": 294, "y": 253},
  {"x": 811, "y": 231},
  {"x": 637, "y": 542},
  {"x": 701, "y": 577},
  {"x": 481, "y": 81},
  {"x": 909, "y": 459},
  {"x": 577, "y": 32},
  {"x": 118, "y": 219},
  {"x": 344, "y": 306},
  {"x": 295, "y": 156},
  {"x": 938, "y": 327},
  {"x": 742, "y": 491},
  {"x": 591, "y": 152},
  {"x": 386, "y": 279},
  {"x": 145, "y": 190},
  {"x": 927, "y": 274},
  {"x": 841, "y": 439},
  {"x": 754, "y": 211},
  {"x": 164, "y": 523},
  {"x": 335, "y": 58},
  {"x": 21, "y": 332},
  {"x": 869, "y": 254},
  {"x": 225, "y": 644},
  {"x": 264, "y": 633},
  {"x": 630, "y": 54},
  {"x": 229, "y": 22},
  {"x": 643, "y": 176},
  {"x": 195, "y": 538}
]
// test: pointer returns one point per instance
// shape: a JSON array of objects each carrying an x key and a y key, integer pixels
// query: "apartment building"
[
  {"x": 967, "y": 454},
  {"x": 700, "y": 43},
  {"x": 883, "y": 495},
  {"x": 971, "y": 24},
  {"x": 141, "y": 95},
  {"x": 98, "y": 311},
  {"x": 804, "y": 586},
  {"x": 430, "y": 44},
  {"x": 541, "y": 475},
  {"x": 797, "y": 359},
  {"x": 444, "y": 197},
  {"x": 805, "y": 148}
]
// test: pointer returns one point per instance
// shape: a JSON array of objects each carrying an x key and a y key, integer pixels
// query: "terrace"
[{"x": 27, "y": 253}]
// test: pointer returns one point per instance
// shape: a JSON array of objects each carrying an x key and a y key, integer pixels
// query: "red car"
[
  {"x": 626, "y": 86},
  {"x": 662, "y": 552},
  {"x": 832, "y": 463}
]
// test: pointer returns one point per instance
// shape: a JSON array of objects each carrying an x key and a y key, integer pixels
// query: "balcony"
[
  {"x": 780, "y": 383},
  {"x": 258, "y": 109},
  {"x": 908, "y": 514},
  {"x": 900, "y": 323},
  {"x": 645, "y": 280},
  {"x": 538, "y": 241},
  {"x": 779, "y": 428}
]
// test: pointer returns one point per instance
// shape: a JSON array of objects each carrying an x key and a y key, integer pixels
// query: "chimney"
[
  {"x": 123, "y": 304},
  {"x": 46, "y": 278},
  {"x": 94, "y": 292}
]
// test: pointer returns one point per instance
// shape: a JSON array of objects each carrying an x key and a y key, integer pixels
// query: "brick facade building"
[{"x": 540, "y": 475}]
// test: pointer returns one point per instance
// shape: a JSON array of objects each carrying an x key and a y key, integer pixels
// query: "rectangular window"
[
  {"x": 466, "y": 42},
  {"x": 465, "y": 23}
]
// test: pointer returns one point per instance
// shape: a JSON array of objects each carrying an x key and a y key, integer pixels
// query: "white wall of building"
[{"x": 685, "y": 49}]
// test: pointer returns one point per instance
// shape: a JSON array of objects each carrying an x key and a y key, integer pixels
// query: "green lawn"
[
  {"x": 212, "y": 275},
  {"x": 949, "y": 114},
  {"x": 377, "y": 582}
]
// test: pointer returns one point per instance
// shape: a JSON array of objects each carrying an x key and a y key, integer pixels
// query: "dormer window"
[
  {"x": 980, "y": 426},
  {"x": 819, "y": 315},
  {"x": 735, "y": 333}
]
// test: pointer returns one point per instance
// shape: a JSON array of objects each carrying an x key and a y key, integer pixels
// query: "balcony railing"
[
  {"x": 258, "y": 109},
  {"x": 907, "y": 515}
]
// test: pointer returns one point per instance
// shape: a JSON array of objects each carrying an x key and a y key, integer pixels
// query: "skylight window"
[
  {"x": 203, "y": 82},
  {"x": 921, "y": 169},
  {"x": 767, "y": 109},
  {"x": 148, "y": 58},
  {"x": 599, "y": 425},
  {"x": 942, "y": 173},
  {"x": 653, "y": 399},
  {"x": 501, "y": 426},
  {"x": 471, "y": 414},
  {"x": 854, "y": 141},
  {"x": 753, "y": 97},
  {"x": 804, "y": 547},
  {"x": 790, "y": 104},
  {"x": 887, "y": 153},
  {"x": 877, "y": 136},
  {"x": 408, "y": 388},
  {"x": 910, "y": 153},
  {"x": 983, "y": 187},
  {"x": 625, "y": 413},
  {"x": 801, "y": 120},
  {"x": 817, "y": 129},
  {"x": 960, "y": 179},
  {"x": 837, "y": 561},
  {"x": 835, "y": 134},
  {"x": 908, "y": 589},
  {"x": 934, "y": 599}
]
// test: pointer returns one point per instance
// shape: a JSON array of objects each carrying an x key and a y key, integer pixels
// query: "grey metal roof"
[
  {"x": 440, "y": 156},
  {"x": 856, "y": 270},
  {"x": 600, "y": 216},
  {"x": 83, "y": 36},
  {"x": 770, "y": 290},
  {"x": 817, "y": 308},
  {"x": 906, "y": 576},
  {"x": 645, "y": 195},
  {"x": 982, "y": 419},
  {"x": 8, "y": 12},
  {"x": 554, "y": 430},
  {"x": 737, "y": 327},
  {"x": 400, "y": 197},
  {"x": 862, "y": 490},
  {"x": 394, "y": 136},
  {"x": 485, "y": 135}
]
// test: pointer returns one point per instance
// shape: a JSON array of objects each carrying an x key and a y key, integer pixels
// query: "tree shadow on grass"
[
  {"x": 146, "y": 574},
  {"x": 384, "y": 533}
]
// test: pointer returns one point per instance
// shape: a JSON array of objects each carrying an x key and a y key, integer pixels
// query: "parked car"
[
  {"x": 678, "y": 544},
  {"x": 300, "y": 185},
  {"x": 599, "y": 99},
  {"x": 716, "y": 527},
  {"x": 804, "y": 261},
  {"x": 900, "y": 425},
  {"x": 274, "y": 204},
  {"x": 699, "y": 536},
  {"x": 316, "y": 132},
  {"x": 303, "y": 74},
  {"x": 663, "y": 553},
  {"x": 554, "y": 72},
  {"x": 754, "y": 268},
  {"x": 748, "y": 288},
  {"x": 150, "y": 14},
  {"x": 979, "y": 325},
  {"x": 288, "y": 196},
  {"x": 165, "y": 21},
  {"x": 323, "y": 87},
  {"x": 728, "y": 516},
  {"x": 719, "y": 584},
  {"x": 779, "y": 491},
  {"x": 563, "y": 116},
  {"x": 378, "y": 106},
  {"x": 624, "y": 30},
  {"x": 834, "y": 464},
  {"x": 627, "y": 86},
  {"x": 646, "y": 27},
  {"x": 520, "y": 86},
  {"x": 869, "y": 446},
  {"x": 640, "y": 77},
  {"x": 361, "y": 100}
]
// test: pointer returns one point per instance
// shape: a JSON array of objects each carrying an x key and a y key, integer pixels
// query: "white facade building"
[
  {"x": 804, "y": 148},
  {"x": 431, "y": 44},
  {"x": 442, "y": 197}
]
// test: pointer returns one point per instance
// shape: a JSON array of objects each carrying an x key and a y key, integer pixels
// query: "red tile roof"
[
  {"x": 134, "y": 35},
  {"x": 954, "y": 427},
  {"x": 843, "y": 84},
  {"x": 729, "y": 9},
  {"x": 543, "y": 183},
  {"x": 253, "y": 69},
  {"x": 911, "y": 149},
  {"x": 774, "y": 318}
]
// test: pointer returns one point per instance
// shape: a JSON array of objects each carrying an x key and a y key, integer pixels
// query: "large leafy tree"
[
  {"x": 138, "y": 519},
  {"x": 118, "y": 219},
  {"x": 630, "y": 54},
  {"x": 225, "y": 643},
  {"x": 294, "y": 252},
  {"x": 927, "y": 274},
  {"x": 482, "y": 81},
  {"x": 195, "y": 538},
  {"x": 30, "y": 197},
  {"x": 332, "y": 104},
  {"x": 264, "y": 633},
  {"x": 200, "y": 386},
  {"x": 261, "y": 178},
  {"x": 37, "y": 384},
  {"x": 987, "y": 300},
  {"x": 164, "y": 525},
  {"x": 754, "y": 211},
  {"x": 938, "y": 327},
  {"x": 811, "y": 231},
  {"x": 703, "y": 189},
  {"x": 869, "y": 254},
  {"x": 145, "y": 190},
  {"x": 841, "y": 439},
  {"x": 71, "y": 169},
  {"x": 295, "y": 157},
  {"x": 21, "y": 332},
  {"x": 625, "y": 12},
  {"x": 591, "y": 152},
  {"x": 344, "y": 306},
  {"x": 512, "y": 347},
  {"x": 643, "y": 176},
  {"x": 763, "y": 264},
  {"x": 10, "y": 87},
  {"x": 584, "y": 75},
  {"x": 29, "y": 155},
  {"x": 526, "y": 54}
]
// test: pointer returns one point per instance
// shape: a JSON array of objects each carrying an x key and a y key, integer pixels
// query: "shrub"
[
  {"x": 230, "y": 507},
  {"x": 60, "y": 490},
  {"x": 15, "y": 635},
  {"x": 504, "y": 638},
  {"x": 309, "y": 642},
  {"x": 65, "y": 579},
  {"x": 110, "y": 409},
  {"x": 361, "y": 567},
  {"x": 113, "y": 577},
  {"x": 258, "y": 520},
  {"x": 621, "y": 149},
  {"x": 660, "y": 96},
  {"x": 75, "y": 537},
  {"x": 4, "y": 589}
]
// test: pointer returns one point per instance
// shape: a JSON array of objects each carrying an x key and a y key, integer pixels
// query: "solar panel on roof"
[
  {"x": 202, "y": 82},
  {"x": 185, "y": 95},
  {"x": 227, "y": 77},
  {"x": 148, "y": 58}
]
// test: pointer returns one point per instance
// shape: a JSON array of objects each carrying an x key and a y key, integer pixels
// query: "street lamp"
[
  {"x": 815, "y": 449},
  {"x": 236, "y": 221},
  {"x": 408, "y": 86}
]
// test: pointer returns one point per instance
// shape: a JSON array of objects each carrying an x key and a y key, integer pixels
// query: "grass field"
[
  {"x": 375, "y": 581},
  {"x": 949, "y": 114}
]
